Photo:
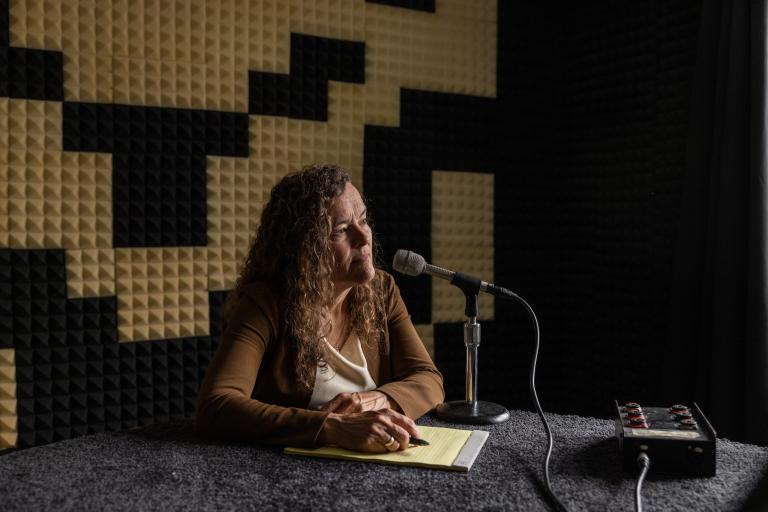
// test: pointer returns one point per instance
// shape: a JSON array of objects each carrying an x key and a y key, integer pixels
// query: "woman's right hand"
[{"x": 368, "y": 431}]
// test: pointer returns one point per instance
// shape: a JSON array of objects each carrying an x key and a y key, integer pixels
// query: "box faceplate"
[{"x": 678, "y": 439}]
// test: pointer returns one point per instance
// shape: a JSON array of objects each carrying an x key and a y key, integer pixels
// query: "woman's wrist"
[
  {"x": 326, "y": 435},
  {"x": 378, "y": 401}
]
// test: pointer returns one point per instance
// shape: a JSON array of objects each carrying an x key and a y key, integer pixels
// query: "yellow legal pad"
[{"x": 449, "y": 448}]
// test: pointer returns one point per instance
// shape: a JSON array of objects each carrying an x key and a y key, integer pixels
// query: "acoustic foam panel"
[
  {"x": 90, "y": 273},
  {"x": 8, "y": 419},
  {"x": 161, "y": 293},
  {"x": 159, "y": 171},
  {"x": 462, "y": 239},
  {"x": 438, "y": 131},
  {"x": 630, "y": 70},
  {"x": 304, "y": 93},
  {"x": 451, "y": 50},
  {"x": 52, "y": 199},
  {"x": 72, "y": 375}
]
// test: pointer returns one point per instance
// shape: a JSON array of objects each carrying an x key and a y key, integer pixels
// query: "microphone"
[{"x": 412, "y": 264}]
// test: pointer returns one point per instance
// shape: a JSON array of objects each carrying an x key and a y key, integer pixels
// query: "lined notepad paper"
[{"x": 449, "y": 448}]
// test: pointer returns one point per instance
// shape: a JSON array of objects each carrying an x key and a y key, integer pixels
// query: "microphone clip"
[{"x": 471, "y": 287}]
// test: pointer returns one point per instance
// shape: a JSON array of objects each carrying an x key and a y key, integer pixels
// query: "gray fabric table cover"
[{"x": 169, "y": 467}]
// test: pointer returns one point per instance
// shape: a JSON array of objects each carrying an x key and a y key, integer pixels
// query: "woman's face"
[{"x": 351, "y": 240}]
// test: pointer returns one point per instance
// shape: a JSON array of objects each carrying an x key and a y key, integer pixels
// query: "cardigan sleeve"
[
  {"x": 225, "y": 408},
  {"x": 417, "y": 385}
]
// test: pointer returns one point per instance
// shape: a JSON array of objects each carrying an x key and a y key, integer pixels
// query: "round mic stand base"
[{"x": 477, "y": 413}]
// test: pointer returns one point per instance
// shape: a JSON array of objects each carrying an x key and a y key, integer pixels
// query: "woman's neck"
[
  {"x": 337, "y": 306},
  {"x": 339, "y": 321}
]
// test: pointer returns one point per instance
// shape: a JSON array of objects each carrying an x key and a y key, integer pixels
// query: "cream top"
[{"x": 348, "y": 375}]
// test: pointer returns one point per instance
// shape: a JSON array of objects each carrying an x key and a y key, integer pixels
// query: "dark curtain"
[{"x": 717, "y": 346}]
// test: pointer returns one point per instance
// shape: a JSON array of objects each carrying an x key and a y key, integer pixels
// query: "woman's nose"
[{"x": 359, "y": 235}]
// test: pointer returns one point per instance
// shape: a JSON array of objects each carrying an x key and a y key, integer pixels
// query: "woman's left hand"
[{"x": 345, "y": 403}]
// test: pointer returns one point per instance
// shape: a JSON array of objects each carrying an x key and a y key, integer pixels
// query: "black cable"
[
  {"x": 644, "y": 462},
  {"x": 550, "y": 438}
]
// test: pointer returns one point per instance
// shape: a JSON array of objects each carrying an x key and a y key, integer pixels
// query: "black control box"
[{"x": 677, "y": 438}]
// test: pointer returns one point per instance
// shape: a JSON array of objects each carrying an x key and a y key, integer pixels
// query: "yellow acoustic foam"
[
  {"x": 471, "y": 10},
  {"x": 335, "y": 19},
  {"x": 162, "y": 293},
  {"x": 427, "y": 335},
  {"x": 235, "y": 197},
  {"x": 7, "y": 408},
  {"x": 185, "y": 54},
  {"x": 238, "y": 188},
  {"x": 52, "y": 199},
  {"x": 237, "y": 192},
  {"x": 8, "y": 387},
  {"x": 196, "y": 54},
  {"x": 8, "y": 418},
  {"x": 35, "y": 24},
  {"x": 7, "y": 366},
  {"x": 7, "y": 374},
  {"x": 8, "y": 440},
  {"x": 452, "y": 50},
  {"x": 462, "y": 238},
  {"x": 300, "y": 142},
  {"x": 90, "y": 273}
]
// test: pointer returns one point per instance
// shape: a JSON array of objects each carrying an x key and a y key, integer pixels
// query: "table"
[{"x": 170, "y": 467}]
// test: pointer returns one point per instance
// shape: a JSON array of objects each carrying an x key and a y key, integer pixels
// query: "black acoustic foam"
[
  {"x": 446, "y": 132},
  {"x": 73, "y": 377},
  {"x": 304, "y": 93},
  {"x": 27, "y": 73},
  {"x": 159, "y": 165},
  {"x": 416, "y": 5}
]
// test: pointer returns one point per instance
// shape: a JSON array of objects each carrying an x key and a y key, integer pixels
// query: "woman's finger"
[
  {"x": 371, "y": 431},
  {"x": 402, "y": 421},
  {"x": 400, "y": 435},
  {"x": 392, "y": 444}
]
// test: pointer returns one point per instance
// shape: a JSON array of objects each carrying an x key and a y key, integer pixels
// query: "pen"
[{"x": 418, "y": 442}]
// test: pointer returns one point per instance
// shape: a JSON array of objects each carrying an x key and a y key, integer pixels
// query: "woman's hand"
[
  {"x": 372, "y": 431},
  {"x": 346, "y": 403}
]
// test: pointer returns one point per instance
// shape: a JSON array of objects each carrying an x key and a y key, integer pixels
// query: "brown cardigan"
[{"x": 249, "y": 392}]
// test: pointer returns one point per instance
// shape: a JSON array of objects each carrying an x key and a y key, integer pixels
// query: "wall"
[
  {"x": 595, "y": 105},
  {"x": 537, "y": 145},
  {"x": 138, "y": 143},
  {"x": 629, "y": 69}
]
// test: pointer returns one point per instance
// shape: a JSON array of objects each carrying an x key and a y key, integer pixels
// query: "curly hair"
[{"x": 292, "y": 250}]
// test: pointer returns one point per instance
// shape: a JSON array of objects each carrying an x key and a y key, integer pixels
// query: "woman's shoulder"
[
  {"x": 260, "y": 287},
  {"x": 390, "y": 294},
  {"x": 265, "y": 294},
  {"x": 387, "y": 288},
  {"x": 386, "y": 280}
]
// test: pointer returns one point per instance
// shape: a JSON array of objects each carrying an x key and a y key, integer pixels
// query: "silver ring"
[{"x": 388, "y": 445}]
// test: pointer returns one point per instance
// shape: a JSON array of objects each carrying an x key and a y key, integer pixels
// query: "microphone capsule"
[{"x": 408, "y": 263}]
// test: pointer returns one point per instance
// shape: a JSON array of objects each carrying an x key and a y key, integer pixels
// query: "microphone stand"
[{"x": 471, "y": 410}]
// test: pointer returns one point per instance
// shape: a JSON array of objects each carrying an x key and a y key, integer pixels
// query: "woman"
[{"x": 318, "y": 347}]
